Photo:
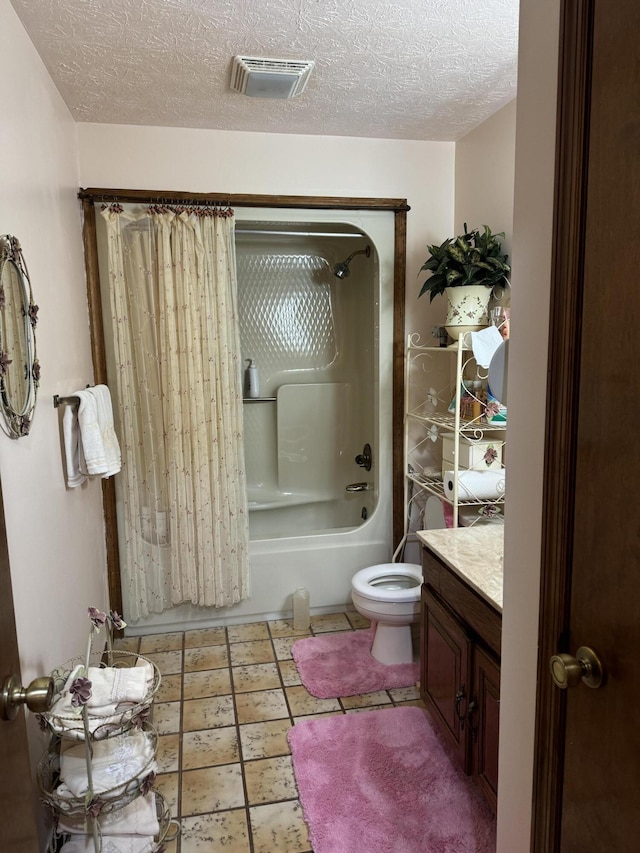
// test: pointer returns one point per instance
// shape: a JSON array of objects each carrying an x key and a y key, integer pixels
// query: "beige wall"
[
  {"x": 531, "y": 256},
  {"x": 485, "y": 166},
  {"x": 56, "y": 539},
  {"x": 273, "y": 164}
]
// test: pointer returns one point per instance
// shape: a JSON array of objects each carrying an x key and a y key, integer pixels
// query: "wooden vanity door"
[
  {"x": 484, "y": 723},
  {"x": 445, "y": 673}
]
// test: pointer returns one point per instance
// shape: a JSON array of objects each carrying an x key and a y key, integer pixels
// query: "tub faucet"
[{"x": 358, "y": 487}]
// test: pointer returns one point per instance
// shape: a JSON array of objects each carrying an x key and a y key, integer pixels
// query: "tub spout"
[{"x": 358, "y": 487}]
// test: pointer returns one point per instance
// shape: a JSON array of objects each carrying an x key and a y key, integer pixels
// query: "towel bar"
[{"x": 65, "y": 401}]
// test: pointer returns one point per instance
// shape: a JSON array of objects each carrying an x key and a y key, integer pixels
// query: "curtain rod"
[
  {"x": 97, "y": 195},
  {"x": 256, "y": 231}
]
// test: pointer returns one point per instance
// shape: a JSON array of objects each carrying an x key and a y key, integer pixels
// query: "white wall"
[
  {"x": 485, "y": 167},
  {"x": 532, "y": 237},
  {"x": 55, "y": 536},
  {"x": 118, "y": 156}
]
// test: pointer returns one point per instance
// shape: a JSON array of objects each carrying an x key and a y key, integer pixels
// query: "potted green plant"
[{"x": 466, "y": 269}]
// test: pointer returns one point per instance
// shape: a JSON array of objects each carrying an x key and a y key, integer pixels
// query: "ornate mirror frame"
[{"x": 19, "y": 366}]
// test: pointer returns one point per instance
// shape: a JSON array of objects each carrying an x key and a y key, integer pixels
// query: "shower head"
[{"x": 342, "y": 270}]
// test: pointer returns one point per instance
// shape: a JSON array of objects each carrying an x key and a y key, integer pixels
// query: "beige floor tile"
[
  {"x": 167, "y": 784},
  {"x": 205, "y": 637},
  {"x": 261, "y": 676},
  {"x": 318, "y": 716},
  {"x": 357, "y": 620},
  {"x": 170, "y": 689},
  {"x": 256, "y": 651},
  {"x": 248, "y": 632},
  {"x": 166, "y": 717},
  {"x": 211, "y": 713},
  {"x": 223, "y": 831},
  {"x": 365, "y": 700},
  {"x": 289, "y": 673},
  {"x": 207, "y": 682},
  {"x": 209, "y": 657},
  {"x": 366, "y": 708},
  {"x": 414, "y": 703},
  {"x": 170, "y": 846},
  {"x": 330, "y": 622},
  {"x": 284, "y": 628},
  {"x": 302, "y": 702},
  {"x": 211, "y": 789},
  {"x": 161, "y": 643},
  {"x": 210, "y": 747},
  {"x": 269, "y": 780},
  {"x": 404, "y": 694},
  {"x": 283, "y": 647},
  {"x": 167, "y": 662},
  {"x": 260, "y": 706},
  {"x": 279, "y": 827},
  {"x": 264, "y": 740},
  {"x": 167, "y": 755}
]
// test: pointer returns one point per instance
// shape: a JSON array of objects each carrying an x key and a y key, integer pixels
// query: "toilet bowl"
[{"x": 389, "y": 594}]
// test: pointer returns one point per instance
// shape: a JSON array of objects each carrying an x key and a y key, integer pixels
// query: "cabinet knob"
[
  {"x": 569, "y": 671},
  {"x": 37, "y": 696}
]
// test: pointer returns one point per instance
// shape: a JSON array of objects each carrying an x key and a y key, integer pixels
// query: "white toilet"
[{"x": 389, "y": 594}]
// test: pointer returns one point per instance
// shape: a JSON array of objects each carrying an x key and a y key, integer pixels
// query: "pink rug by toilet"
[
  {"x": 334, "y": 665},
  {"x": 381, "y": 782}
]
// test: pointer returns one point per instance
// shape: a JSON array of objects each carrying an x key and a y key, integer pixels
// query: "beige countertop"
[{"x": 474, "y": 553}]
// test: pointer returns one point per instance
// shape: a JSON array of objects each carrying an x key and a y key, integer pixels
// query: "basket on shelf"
[
  {"x": 66, "y": 721},
  {"x": 103, "y": 800}
]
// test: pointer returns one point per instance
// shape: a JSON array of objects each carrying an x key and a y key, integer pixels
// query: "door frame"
[
  {"x": 398, "y": 206},
  {"x": 570, "y": 201}
]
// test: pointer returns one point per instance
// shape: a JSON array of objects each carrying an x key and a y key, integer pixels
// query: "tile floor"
[{"x": 227, "y": 698}]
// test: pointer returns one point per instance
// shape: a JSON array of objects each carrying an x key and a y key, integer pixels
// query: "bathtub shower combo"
[{"x": 315, "y": 303}]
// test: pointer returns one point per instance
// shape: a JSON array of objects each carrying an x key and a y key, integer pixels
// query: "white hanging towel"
[
  {"x": 73, "y": 448},
  {"x": 91, "y": 444},
  {"x": 111, "y": 448}
]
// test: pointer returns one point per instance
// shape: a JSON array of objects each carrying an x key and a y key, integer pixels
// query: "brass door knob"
[
  {"x": 569, "y": 671},
  {"x": 37, "y": 696}
]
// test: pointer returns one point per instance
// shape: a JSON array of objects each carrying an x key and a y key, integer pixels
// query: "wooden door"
[
  {"x": 18, "y": 832},
  {"x": 484, "y": 723},
  {"x": 446, "y": 672},
  {"x": 588, "y": 740}
]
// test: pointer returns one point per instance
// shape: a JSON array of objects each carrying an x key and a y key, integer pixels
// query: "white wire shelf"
[{"x": 433, "y": 483}]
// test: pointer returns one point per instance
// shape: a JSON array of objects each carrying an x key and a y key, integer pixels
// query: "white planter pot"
[{"x": 467, "y": 309}]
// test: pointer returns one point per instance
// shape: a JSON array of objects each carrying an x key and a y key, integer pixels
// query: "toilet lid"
[{"x": 389, "y": 582}]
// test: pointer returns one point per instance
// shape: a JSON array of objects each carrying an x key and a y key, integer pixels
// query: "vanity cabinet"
[{"x": 460, "y": 670}]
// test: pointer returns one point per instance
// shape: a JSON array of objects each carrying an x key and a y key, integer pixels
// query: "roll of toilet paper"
[{"x": 476, "y": 485}]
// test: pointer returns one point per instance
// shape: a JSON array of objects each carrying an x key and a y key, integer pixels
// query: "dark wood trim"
[
  {"x": 100, "y": 376},
  {"x": 397, "y": 414},
  {"x": 562, "y": 411},
  {"x": 243, "y": 200},
  {"x": 399, "y": 207}
]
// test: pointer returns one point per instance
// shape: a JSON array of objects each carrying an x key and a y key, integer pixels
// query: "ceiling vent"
[{"x": 269, "y": 78}]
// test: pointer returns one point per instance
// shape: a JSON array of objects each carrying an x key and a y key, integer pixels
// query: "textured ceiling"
[{"x": 398, "y": 69}]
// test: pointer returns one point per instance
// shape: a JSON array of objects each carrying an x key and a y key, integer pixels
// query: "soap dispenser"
[{"x": 251, "y": 382}]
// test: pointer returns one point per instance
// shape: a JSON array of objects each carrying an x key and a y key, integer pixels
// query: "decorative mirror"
[{"x": 19, "y": 367}]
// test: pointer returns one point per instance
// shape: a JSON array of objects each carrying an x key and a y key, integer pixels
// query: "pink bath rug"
[
  {"x": 336, "y": 665},
  {"x": 381, "y": 782}
]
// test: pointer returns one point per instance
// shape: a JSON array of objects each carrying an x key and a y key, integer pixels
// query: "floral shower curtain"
[{"x": 182, "y": 504}]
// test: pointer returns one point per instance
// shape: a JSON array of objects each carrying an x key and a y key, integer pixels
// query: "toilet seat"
[{"x": 364, "y": 582}]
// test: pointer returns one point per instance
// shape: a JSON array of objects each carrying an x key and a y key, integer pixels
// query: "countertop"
[{"x": 474, "y": 553}]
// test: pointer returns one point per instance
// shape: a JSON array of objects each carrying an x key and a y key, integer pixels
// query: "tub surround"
[{"x": 475, "y": 554}]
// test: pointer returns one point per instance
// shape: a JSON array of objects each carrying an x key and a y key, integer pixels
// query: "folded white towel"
[
  {"x": 90, "y": 436},
  {"x": 110, "y": 844},
  {"x": 111, "y": 448},
  {"x": 115, "y": 762},
  {"x": 138, "y": 818},
  {"x": 72, "y": 447}
]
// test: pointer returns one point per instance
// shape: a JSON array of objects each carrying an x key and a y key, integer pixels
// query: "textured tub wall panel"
[{"x": 312, "y": 338}]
